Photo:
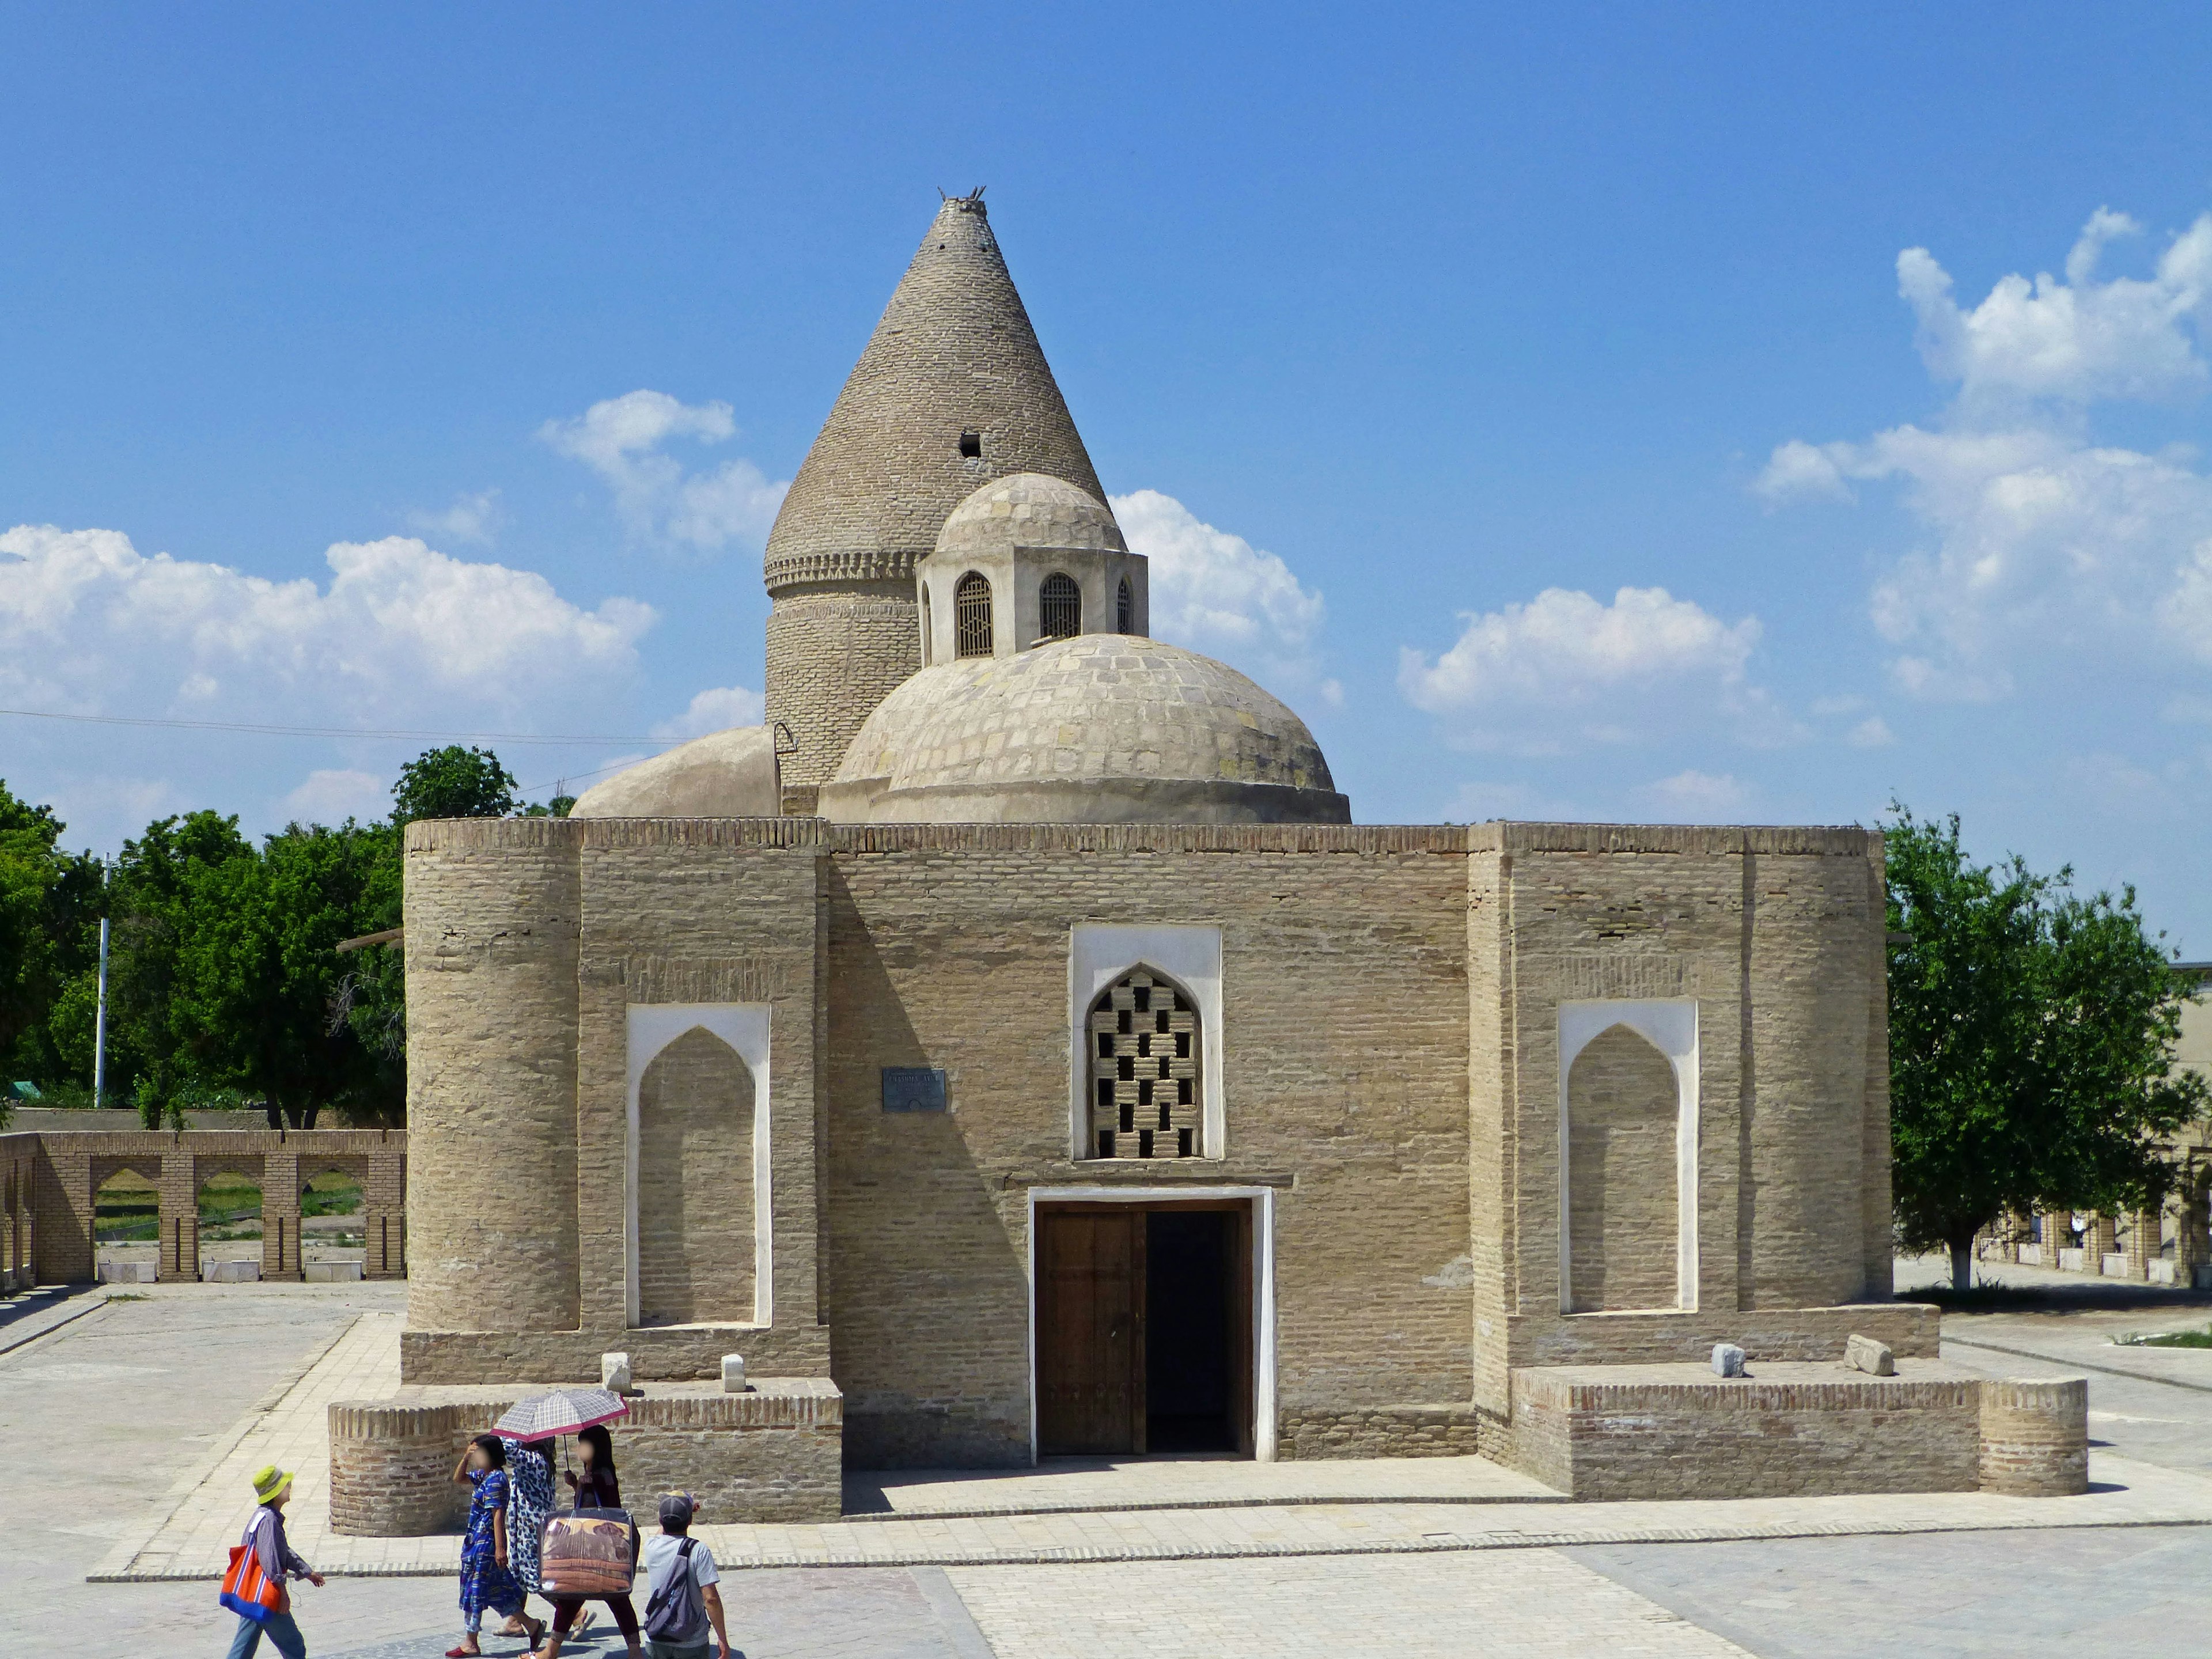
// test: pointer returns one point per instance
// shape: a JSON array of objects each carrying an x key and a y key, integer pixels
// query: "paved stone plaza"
[{"x": 196, "y": 1385}]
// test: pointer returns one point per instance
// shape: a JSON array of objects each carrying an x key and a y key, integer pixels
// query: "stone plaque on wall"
[{"x": 913, "y": 1089}]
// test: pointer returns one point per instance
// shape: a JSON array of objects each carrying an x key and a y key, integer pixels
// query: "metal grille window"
[
  {"x": 1145, "y": 1069},
  {"x": 1125, "y": 609},
  {"x": 971, "y": 616},
  {"x": 1059, "y": 607}
]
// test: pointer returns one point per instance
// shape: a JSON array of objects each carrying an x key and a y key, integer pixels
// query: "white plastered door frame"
[
  {"x": 1100, "y": 953},
  {"x": 1262, "y": 1200},
  {"x": 1669, "y": 1024},
  {"x": 743, "y": 1026}
]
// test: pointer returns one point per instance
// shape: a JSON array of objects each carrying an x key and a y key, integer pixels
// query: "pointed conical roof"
[{"x": 954, "y": 354}]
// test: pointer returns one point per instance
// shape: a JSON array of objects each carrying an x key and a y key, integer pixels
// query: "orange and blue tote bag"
[{"x": 246, "y": 1589}]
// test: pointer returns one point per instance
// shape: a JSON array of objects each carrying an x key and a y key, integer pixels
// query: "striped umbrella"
[{"x": 564, "y": 1411}]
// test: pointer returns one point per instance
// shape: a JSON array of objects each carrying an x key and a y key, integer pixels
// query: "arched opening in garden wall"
[
  {"x": 126, "y": 1220},
  {"x": 228, "y": 1210},
  {"x": 333, "y": 1217}
]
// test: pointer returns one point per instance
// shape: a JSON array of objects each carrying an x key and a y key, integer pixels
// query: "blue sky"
[{"x": 1406, "y": 340}]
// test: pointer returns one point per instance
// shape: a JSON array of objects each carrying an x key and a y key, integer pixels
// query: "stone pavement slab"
[
  {"x": 1095, "y": 1485},
  {"x": 1535, "y": 1604}
]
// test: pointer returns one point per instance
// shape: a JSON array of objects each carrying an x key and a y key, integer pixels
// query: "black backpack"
[{"x": 673, "y": 1614}]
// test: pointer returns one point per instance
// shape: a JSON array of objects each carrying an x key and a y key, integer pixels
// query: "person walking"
[
  {"x": 486, "y": 1579},
  {"x": 278, "y": 1561},
  {"x": 530, "y": 1500},
  {"x": 682, "y": 1602},
  {"x": 597, "y": 1488}
]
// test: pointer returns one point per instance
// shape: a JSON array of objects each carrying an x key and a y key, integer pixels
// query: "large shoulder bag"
[
  {"x": 587, "y": 1553},
  {"x": 248, "y": 1591}
]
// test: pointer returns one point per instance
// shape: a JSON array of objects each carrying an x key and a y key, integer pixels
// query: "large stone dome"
[{"x": 1103, "y": 728}]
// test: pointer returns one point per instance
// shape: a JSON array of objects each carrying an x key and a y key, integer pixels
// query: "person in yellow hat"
[{"x": 264, "y": 1536}]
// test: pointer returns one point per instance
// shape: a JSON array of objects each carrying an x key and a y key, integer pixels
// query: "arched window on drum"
[
  {"x": 1146, "y": 1070},
  {"x": 1059, "y": 607},
  {"x": 1125, "y": 609},
  {"x": 971, "y": 616}
]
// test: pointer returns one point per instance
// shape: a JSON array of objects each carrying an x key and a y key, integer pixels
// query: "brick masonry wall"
[
  {"x": 1777, "y": 934},
  {"x": 1392, "y": 1431},
  {"x": 1343, "y": 999},
  {"x": 668, "y": 1354},
  {"x": 1622, "y": 1112},
  {"x": 833, "y": 654},
  {"x": 769, "y": 1455},
  {"x": 1654, "y": 1432},
  {"x": 1392, "y": 1076}
]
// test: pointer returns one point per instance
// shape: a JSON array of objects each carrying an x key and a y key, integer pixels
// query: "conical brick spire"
[{"x": 952, "y": 392}]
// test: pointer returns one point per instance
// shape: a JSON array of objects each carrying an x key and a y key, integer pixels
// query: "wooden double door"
[{"x": 1144, "y": 1327}]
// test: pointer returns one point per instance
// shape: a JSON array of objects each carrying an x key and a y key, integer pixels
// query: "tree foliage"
[
  {"x": 2031, "y": 1037},
  {"x": 225, "y": 984},
  {"x": 453, "y": 782}
]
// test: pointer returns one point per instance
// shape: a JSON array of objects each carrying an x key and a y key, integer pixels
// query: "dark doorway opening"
[
  {"x": 1187, "y": 1336},
  {"x": 1143, "y": 1328}
]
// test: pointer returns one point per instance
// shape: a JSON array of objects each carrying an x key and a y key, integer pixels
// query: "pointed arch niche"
[
  {"x": 1628, "y": 1156},
  {"x": 696, "y": 1165},
  {"x": 1099, "y": 955}
]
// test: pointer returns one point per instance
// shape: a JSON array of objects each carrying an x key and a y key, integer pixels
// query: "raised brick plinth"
[
  {"x": 773, "y": 1454},
  {"x": 2035, "y": 1438},
  {"x": 1795, "y": 1429},
  {"x": 674, "y": 1354}
]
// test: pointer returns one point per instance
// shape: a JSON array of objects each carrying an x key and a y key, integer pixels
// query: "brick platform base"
[
  {"x": 773, "y": 1454},
  {"x": 1795, "y": 1429}
]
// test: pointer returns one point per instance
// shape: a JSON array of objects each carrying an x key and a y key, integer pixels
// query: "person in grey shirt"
[{"x": 682, "y": 1601}]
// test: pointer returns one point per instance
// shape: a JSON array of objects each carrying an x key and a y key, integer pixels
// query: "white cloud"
[
  {"x": 621, "y": 439},
  {"x": 1695, "y": 797},
  {"x": 2041, "y": 544},
  {"x": 1565, "y": 669},
  {"x": 333, "y": 796},
  {"x": 716, "y": 710},
  {"x": 2073, "y": 339},
  {"x": 1214, "y": 592},
  {"x": 1872, "y": 732},
  {"x": 88, "y": 623},
  {"x": 474, "y": 520}
]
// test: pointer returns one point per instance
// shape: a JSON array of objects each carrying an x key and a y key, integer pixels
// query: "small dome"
[
  {"x": 1029, "y": 510},
  {"x": 1103, "y": 728}
]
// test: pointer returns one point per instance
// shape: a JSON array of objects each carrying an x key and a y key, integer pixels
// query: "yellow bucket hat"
[{"x": 270, "y": 1482}]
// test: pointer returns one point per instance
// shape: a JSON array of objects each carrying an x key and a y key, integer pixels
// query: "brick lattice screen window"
[
  {"x": 1059, "y": 607},
  {"x": 1144, "y": 1070},
  {"x": 971, "y": 616}
]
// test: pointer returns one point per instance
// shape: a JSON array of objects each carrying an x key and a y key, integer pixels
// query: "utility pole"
[{"x": 100, "y": 1019}]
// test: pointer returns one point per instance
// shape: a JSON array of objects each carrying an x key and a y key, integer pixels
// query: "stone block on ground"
[
  {"x": 614, "y": 1372},
  {"x": 330, "y": 1272},
  {"x": 1864, "y": 1353},
  {"x": 231, "y": 1273},
  {"x": 1728, "y": 1359},
  {"x": 733, "y": 1373}
]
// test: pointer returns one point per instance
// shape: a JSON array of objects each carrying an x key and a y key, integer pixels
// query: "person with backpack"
[
  {"x": 682, "y": 1603},
  {"x": 253, "y": 1589}
]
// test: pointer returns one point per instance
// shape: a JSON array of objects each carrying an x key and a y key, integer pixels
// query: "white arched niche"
[
  {"x": 743, "y": 1026},
  {"x": 1670, "y": 1025},
  {"x": 1098, "y": 954}
]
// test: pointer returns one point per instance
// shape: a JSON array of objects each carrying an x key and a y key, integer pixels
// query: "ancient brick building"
[{"x": 1061, "y": 1069}]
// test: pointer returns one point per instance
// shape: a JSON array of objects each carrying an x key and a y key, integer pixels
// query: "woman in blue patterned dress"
[
  {"x": 486, "y": 1580},
  {"x": 530, "y": 1500}
]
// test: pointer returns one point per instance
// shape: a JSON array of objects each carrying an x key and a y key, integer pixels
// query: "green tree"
[
  {"x": 154, "y": 897},
  {"x": 50, "y": 902},
  {"x": 258, "y": 974},
  {"x": 453, "y": 782},
  {"x": 2031, "y": 1037}
]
